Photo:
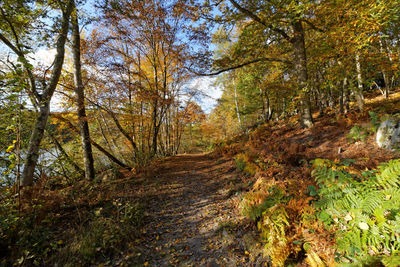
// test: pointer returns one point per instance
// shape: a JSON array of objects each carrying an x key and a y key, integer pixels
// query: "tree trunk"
[
  {"x": 122, "y": 130},
  {"x": 262, "y": 96},
  {"x": 384, "y": 74},
  {"x": 341, "y": 100},
  {"x": 80, "y": 101},
  {"x": 237, "y": 107},
  {"x": 103, "y": 134},
  {"x": 110, "y": 133},
  {"x": 142, "y": 129},
  {"x": 321, "y": 104},
  {"x": 359, "y": 90},
  {"x": 44, "y": 103},
  {"x": 302, "y": 75},
  {"x": 34, "y": 145},
  {"x": 389, "y": 55},
  {"x": 155, "y": 129},
  {"x": 346, "y": 96},
  {"x": 268, "y": 110}
]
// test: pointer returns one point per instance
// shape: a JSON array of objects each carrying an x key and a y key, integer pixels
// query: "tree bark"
[
  {"x": 80, "y": 101},
  {"x": 155, "y": 128},
  {"x": 266, "y": 106},
  {"x": 237, "y": 107},
  {"x": 119, "y": 126},
  {"x": 44, "y": 104},
  {"x": 346, "y": 98},
  {"x": 122, "y": 130},
  {"x": 302, "y": 75},
  {"x": 269, "y": 111},
  {"x": 384, "y": 74},
  {"x": 341, "y": 98}
]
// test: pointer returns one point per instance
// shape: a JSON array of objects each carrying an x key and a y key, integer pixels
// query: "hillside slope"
[
  {"x": 255, "y": 200},
  {"x": 313, "y": 188}
]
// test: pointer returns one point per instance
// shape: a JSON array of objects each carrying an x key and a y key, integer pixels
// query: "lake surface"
[{"x": 46, "y": 162}]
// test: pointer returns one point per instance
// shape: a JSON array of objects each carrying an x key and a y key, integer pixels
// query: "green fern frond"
[
  {"x": 366, "y": 208},
  {"x": 255, "y": 211},
  {"x": 389, "y": 174},
  {"x": 391, "y": 261},
  {"x": 372, "y": 201}
]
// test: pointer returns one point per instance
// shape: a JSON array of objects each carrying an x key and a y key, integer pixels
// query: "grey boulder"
[{"x": 388, "y": 134}]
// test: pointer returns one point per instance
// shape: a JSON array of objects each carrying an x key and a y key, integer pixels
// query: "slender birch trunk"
[
  {"x": 237, "y": 106},
  {"x": 359, "y": 90},
  {"x": 44, "y": 102},
  {"x": 80, "y": 100}
]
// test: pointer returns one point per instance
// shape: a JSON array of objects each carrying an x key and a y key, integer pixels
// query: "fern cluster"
[
  {"x": 245, "y": 164},
  {"x": 272, "y": 226},
  {"x": 365, "y": 208},
  {"x": 357, "y": 133},
  {"x": 276, "y": 209},
  {"x": 265, "y": 205},
  {"x": 255, "y": 203}
]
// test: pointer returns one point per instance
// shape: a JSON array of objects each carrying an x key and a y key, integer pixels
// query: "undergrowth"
[
  {"x": 277, "y": 208},
  {"x": 245, "y": 163},
  {"x": 346, "y": 218},
  {"x": 68, "y": 227},
  {"x": 364, "y": 208}
]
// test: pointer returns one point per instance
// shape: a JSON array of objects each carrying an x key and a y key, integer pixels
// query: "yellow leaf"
[
  {"x": 146, "y": 263},
  {"x": 10, "y": 148}
]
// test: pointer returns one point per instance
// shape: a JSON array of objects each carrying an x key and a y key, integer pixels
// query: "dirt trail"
[{"x": 189, "y": 214}]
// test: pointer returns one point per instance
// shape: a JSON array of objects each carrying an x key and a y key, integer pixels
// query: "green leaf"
[
  {"x": 297, "y": 242},
  {"x": 312, "y": 190}
]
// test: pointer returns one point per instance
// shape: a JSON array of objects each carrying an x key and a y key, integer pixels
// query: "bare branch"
[
  {"x": 3, "y": 14},
  {"x": 100, "y": 148},
  {"x": 259, "y": 20},
  {"x": 20, "y": 54},
  {"x": 313, "y": 26},
  {"x": 240, "y": 66}
]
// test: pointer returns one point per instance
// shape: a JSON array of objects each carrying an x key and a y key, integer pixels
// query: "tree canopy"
[{"x": 96, "y": 89}]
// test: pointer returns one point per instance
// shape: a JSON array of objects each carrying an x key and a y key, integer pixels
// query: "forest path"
[{"x": 190, "y": 212}]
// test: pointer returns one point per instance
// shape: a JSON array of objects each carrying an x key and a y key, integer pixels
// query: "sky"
[
  {"x": 207, "y": 98},
  {"x": 209, "y": 92}
]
